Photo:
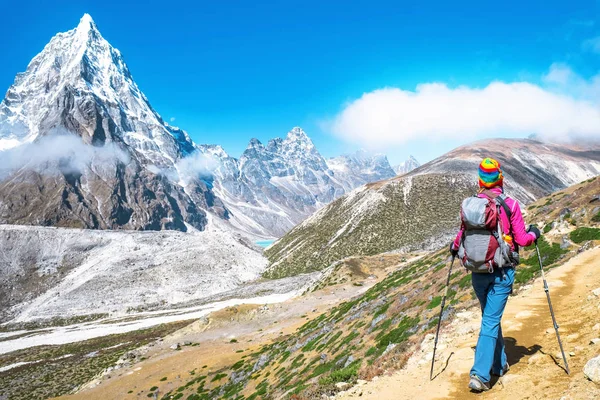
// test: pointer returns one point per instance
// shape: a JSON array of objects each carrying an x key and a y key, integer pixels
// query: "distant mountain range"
[
  {"x": 407, "y": 166},
  {"x": 86, "y": 149},
  {"x": 419, "y": 210}
]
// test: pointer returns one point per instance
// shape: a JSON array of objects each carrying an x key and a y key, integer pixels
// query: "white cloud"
[
  {"x": 172, "y": 119},
  {"x": 560, "y": 74},
  {"x": 59, "y": 152},
  {"x": 564, "y": 108},
  {"x": 197, "y": 164},
  {"x": 592, "y": 45},
  {"x": 562, "y": 79}
]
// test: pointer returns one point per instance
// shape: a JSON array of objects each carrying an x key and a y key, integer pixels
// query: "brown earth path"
[{"x": 533, "y": 353}]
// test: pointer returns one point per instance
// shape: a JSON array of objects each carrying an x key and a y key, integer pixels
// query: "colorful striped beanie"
[{"x": 490, "y": 174}]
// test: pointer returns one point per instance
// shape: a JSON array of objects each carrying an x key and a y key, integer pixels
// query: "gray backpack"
[{"x": 482, "y": 247}]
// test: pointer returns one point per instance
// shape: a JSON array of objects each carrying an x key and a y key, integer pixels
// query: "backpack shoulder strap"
[{"x": 500, "y": 199}]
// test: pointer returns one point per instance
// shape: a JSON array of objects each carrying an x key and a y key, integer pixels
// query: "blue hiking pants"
[{"x": 492, "y": 291}]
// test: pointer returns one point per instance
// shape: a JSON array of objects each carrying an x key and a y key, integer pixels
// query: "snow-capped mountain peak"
[
  {"x": 298, "y": 138},
  {"x": 407, "y": 166},
  {"x": 361, "y": 166},
  {"x": 86, "y": 22},
  {"x": 79, "y": 77}
]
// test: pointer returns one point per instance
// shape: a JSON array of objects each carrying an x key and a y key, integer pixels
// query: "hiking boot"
[
  {"x": 503, "y": 372},
  {"x": 477, "y": 385}
]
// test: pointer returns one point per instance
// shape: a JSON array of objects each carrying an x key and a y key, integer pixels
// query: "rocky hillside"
[
  {"x": 532, "y": 169},
  {"x": 64, "y": 273},
  {"x": 375, "y": 218},
  {"x": 420, "y": 209}
]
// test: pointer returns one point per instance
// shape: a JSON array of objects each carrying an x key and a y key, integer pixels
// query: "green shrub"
[
  {"x": 399, "y": 334},
  {"x": 550, "y": 253},
  {"x": 582, "y": 234},
  {"x": 464, "y": 281},
  {"x": 347, "y": 374},
  {"x": 371, "y": 351},
  {"x": 434, "y": 302},
  {"x": 596, "y": 218},
  {"x": 218, "y": 377},
  {"x": 524, "y": 274},
  {"x": 548, "y": 228}
]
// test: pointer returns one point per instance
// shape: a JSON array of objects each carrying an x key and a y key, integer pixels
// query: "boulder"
[
  {"x": 592, "y": 370},
  {"x": 349, "y": 361},
  {"x": 389, "y": 348}
]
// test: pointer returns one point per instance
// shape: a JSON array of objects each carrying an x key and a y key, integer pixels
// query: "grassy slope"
[
  {"x": 384, "y": 216},
  {"x": 60, "y": 369},
  {"x": 398, "y": 310}
]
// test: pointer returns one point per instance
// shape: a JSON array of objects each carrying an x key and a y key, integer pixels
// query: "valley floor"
[
  {"x": 536, "y": 365},
  {"x": 216, "y": 341}
]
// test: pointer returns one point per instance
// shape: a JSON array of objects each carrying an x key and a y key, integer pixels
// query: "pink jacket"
[{"x": 520, "y": 235}]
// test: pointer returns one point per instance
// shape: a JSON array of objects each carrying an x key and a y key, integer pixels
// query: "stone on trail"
[
  {"x": 342, "y": 385},
  {"x": 535, "y": 359},
  {"x": 174, "y": 346},
  {"x": 596, "y": 327},
  {"x": 595, "y": 341},
  {"x": 592, "y": 370},
  {"x": 596, "y": 292}
]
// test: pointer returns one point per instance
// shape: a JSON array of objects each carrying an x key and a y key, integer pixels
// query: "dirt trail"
[{"x": 536, "y": 366}]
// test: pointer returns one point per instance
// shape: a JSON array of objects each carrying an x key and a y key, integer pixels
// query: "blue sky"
[{"x": 229, "y": 71}]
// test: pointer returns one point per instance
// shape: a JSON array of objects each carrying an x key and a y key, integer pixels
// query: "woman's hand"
[
  {"x": 453, "y": 252},
  {"x": 534, "y": 229}
]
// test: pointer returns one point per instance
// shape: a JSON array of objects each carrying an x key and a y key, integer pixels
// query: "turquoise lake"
[{"x": 265, "y": 243}]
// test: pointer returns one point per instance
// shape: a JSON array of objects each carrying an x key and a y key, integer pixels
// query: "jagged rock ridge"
[
  {"x": 273, "y": 187},
  {"x": 407, "y": 166}
]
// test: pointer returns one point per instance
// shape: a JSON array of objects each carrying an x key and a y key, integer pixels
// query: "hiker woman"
[{"x": 492, "y": 282}]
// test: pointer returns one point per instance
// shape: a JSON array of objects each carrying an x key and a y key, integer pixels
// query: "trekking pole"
[
  {"x": 551, "y": 309},
  {"x": 440, "y": 319}
]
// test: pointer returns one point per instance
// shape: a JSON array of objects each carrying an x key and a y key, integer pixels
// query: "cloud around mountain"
[
  {"x": 563, "y": 107},
  {"x": 59, "y": 152}
]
